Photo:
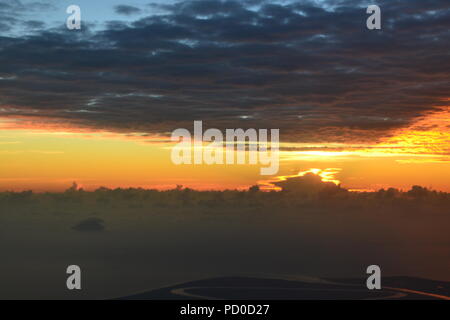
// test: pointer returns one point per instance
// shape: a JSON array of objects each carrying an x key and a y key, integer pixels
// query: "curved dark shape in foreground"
[{"x": 247, "y": 288}]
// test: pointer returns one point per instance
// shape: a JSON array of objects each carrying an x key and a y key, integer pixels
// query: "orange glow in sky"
[{"x": 50, "y": 158}]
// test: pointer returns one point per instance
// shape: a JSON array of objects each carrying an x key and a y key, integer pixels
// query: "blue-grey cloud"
[
  {"x": 126, "y": 10},
  {"x": 312, "y": 70}
]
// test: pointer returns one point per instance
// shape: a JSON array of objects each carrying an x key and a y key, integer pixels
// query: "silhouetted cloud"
[{"x": 90, "y": 225}]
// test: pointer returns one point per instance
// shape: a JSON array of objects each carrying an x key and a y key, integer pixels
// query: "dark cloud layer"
[
  {"x": 314, "y": 71},
  {"x": 127, "y": 10}
]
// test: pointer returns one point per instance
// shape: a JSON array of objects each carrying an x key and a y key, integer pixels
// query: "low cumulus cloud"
[{"x": 90, "y": 225}]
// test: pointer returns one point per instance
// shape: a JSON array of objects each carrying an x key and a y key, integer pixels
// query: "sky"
[{"x": 98, "y": 105}]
